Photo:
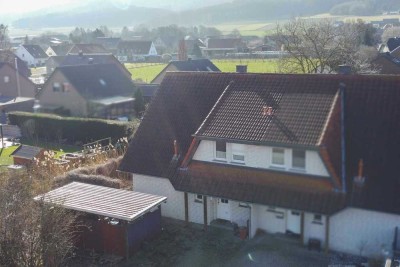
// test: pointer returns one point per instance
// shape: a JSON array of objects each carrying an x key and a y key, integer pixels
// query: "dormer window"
[
  {"x": 220, "y": 150},
  {"x": 278, "y": 157},
  {"x": 298, "y": 159}
]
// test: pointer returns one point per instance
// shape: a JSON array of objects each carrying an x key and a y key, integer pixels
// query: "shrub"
[{"x": 56, "y": 128}]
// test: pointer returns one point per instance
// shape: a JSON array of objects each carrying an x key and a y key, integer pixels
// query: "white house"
[
  {"x": 276, "y": 153},
  {"x": 33, "y": 55},
  {"x": 136, "y": 50}
]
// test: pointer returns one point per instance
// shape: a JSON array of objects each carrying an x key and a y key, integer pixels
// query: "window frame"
[
  {"x": 221, "y": 151},
  {"x": 238, "y": 160},
  {"x": 272, "y": 158},
  {"x": 198, "y": 198},
  {"x": 304, "y": 159}
]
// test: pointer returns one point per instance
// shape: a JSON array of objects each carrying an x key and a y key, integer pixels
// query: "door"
[
  {"x": 223, "y": 209},
  {"x": 293, "y": 222}
]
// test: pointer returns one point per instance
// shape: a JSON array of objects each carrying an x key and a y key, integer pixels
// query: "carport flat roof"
[{"x": 116, "y": 203}]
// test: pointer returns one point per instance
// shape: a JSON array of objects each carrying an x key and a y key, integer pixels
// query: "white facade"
[
  {"x": 50, "y": 52},
  {"x": 24, "y": 55},
  {"x": 153, "y": 50},
  {"x": 260, "y": 157},
  {"x": 355, "y": 230},
  {"x": 175, "y": 206}
]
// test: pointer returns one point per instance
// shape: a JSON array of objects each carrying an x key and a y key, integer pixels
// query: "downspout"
[{"x": 342, "y": 88}]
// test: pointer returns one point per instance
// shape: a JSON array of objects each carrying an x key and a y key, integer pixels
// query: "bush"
[{"x": 55, "y": 128}]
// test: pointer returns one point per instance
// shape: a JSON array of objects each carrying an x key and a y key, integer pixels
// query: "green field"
[
  {"x": 5, "y": 158},
  {"x": 146, "y": 72}
]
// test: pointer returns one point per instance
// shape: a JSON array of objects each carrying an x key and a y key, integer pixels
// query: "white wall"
[
  {"x": 267, "y": 220},
  {"x": 23, "y": 54},
  {"x": 260, "y": 157},
  {"x": 153, "y": 50},
  {"x": 196, "y": 210},
  {"x": 175, "y": 206},
  {"x": 313, "y": 229},
  {"x": 351, "y": 228}
]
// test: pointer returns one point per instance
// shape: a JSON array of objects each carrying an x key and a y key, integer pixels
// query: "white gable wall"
[
  {"x": 260, "y": 157},
  {"x": 23, "y": 54},
  {"x": 353, "y": 229},
  {"x": 175, "y": 206},
  {"x": 153, "y": 50}
]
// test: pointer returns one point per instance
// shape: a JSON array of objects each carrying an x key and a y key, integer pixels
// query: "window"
[
  {"x": 299, "y": 159},
  {"x": 238, "y": 157},
  {"x": 56, "y": 87},
  {"x": 278, "y": 156},
  {"x": 220, "y": 150},
  {"x": 198, "y": 198},
  {"x": 317, "y": 219},
  {"x": 6, "y": 79},
  {"x": 225, "y": 201}
]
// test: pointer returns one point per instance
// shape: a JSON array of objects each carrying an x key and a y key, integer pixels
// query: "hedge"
[{"x": 56, "y": 128}]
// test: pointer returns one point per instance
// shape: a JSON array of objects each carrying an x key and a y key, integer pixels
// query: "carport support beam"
[
  {"x": 327, "y": 235},
  {"x": 186, "y": 208},
  {"x": 205, "y": 212}
]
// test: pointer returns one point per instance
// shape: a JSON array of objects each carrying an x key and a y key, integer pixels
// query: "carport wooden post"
[
  {"x": 327, "y": 235},
  {"x": 127, "y": 240},
  {"x": 186, "y": 209},
  {"x": 205, "y": 212},
  {"x": 302, "y": 227}
]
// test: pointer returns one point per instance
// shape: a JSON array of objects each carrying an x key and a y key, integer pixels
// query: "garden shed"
[
  {"x": 25, "y": 155},
  {"x": 119, "y": 220}
]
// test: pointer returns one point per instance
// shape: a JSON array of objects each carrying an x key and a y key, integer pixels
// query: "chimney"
[
  {"x": 241, "y": 68},
  {"x": 267, "y": 111},
  {"x": 344, "y": 69}
]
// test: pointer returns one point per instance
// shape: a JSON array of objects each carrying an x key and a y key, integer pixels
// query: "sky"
[{"x": 24, "y": 6}]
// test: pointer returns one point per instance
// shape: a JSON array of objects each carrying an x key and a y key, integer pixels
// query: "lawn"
[
  {"x": 5, "y": 153},
  {"x": 145, "y": 72},
  {"x": 253, "y": 65}
]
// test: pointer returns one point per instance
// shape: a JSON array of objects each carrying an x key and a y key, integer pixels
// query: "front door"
[
  {"x": 224, "y": 209},
  {"x": 293, "y": 222}
]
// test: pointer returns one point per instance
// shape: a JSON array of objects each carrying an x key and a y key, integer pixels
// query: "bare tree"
[
  {"x": 318, "y": 46},
  {"x": 389, "y": 33},
  {"x": 31, "y": 233},
  {"x": 4, "y": 39}
]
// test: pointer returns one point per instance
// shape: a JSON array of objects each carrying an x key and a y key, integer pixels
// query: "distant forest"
[{"x": 235, "y": 11}]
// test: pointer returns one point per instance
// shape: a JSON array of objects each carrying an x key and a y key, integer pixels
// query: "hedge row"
[{"x": 70, "y": 129}]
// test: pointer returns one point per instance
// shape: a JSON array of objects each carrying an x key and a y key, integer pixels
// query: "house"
[
  {"x": 137, "y": 50},
  {"x": 88, "y": 49},
  {"x": 93, "y": 90},
  {"x": 14, "y": 83},
  {"x": 83, "y": 59},
  {"x": 58, "y": 50},
  {"x": 117, "y": 220},
  {"x": 385, "y": 63},
  {"x": 186, "y": 65},
  {"x": 26, "y": 155},
  {"x": 9, "y": 57},
  {"x": 109, "y": 43},
  {"x": 148, "y": 90},
  {"x": 393, "y": 43},
  {"x": 33, "y": 55},
  {"x": 222, "y": 46},
  {"x": 279, "y": 153}
]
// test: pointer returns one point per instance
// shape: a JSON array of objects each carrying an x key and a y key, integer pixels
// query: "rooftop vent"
[
  {"x": 267, "y": 111},
  {"x": 360, "y": 179}
]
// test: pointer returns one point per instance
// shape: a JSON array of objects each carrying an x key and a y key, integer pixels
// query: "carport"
[{"x": 118, "y": 220}]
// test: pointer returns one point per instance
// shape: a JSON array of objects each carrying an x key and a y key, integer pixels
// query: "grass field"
[
  {"x": 5, "y": 158},
  {"x": 146, "y": 72}
]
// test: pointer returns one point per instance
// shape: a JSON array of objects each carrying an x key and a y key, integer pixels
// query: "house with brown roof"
[
  {"x": 7, "y": 56},
  {"x": 216, "y": 46},
  {"x": 386, "y": 63},
  {"x": 58, "y": 50},
  {"x": 309, "y": 155},
  {"x": 88, "y": 49},
  {"x": 135, "y": 50},
  {"x": 92, "y": 90}
]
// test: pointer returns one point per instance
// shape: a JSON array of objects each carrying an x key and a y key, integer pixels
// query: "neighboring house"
[
  {"x": 58, "y": 50},
  {"x": 222, "y": 46},
  {"x": 88, "y": 49},
  {"x": 82, "y": 59},
  {"x": 9, "y": 57},
  {"x": 186, "y": 65},
  {"x": 385, "y": 63},
  {"x": 93, "y": 90},
  {"x": 109, "y": 43},
  {"x": 26, "y": 155},
  {"x": 33, "y": 55},
  {"x": 396, "y": 52},
  {"x": 393, "y": 43},
  {"x": 13, "y": 83},
  {"x": 128, "y": 51},
  {"x": 276, "y": 153}
]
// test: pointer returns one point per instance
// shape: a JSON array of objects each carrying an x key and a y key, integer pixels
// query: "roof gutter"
[{"x": 342, "y": 87}]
